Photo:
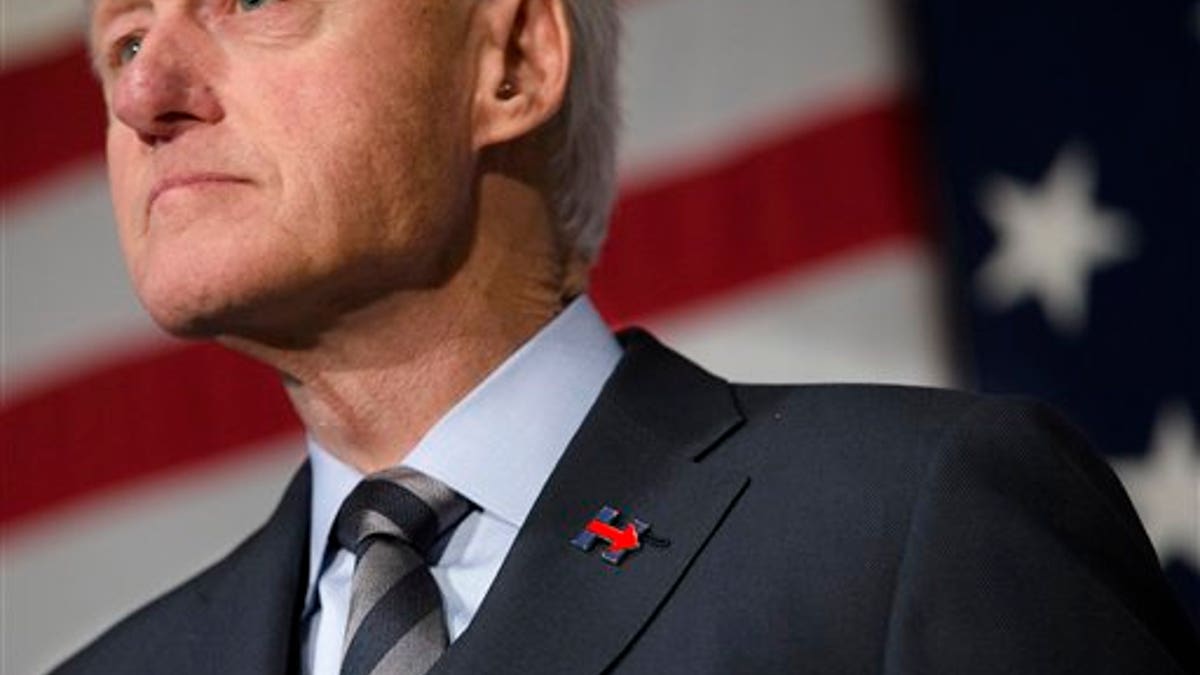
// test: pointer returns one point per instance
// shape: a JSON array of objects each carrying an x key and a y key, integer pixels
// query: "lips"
[{"x": 191, "y": 180}]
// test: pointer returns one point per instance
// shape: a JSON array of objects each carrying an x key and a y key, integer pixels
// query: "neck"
[{"x": 371, "y": 385}]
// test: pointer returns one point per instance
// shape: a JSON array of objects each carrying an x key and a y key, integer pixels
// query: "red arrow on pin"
[{"x": 618, "y": 540}]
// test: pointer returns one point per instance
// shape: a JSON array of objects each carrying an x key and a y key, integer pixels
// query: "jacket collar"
[{"x": 554, "y": 608}]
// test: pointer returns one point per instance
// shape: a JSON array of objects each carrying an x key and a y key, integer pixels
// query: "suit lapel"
[
  {"x": 255, "y": 598},
  {"x": 556, "y": 609}
]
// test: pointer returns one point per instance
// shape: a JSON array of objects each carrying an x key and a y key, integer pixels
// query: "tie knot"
[{"x": 399, "y": 503}]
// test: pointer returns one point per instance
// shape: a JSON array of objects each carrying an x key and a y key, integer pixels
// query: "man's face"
[{"x": 272, "y": 160}]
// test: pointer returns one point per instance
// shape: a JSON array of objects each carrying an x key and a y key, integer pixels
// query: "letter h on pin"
[{"x": 620, "y": 540}]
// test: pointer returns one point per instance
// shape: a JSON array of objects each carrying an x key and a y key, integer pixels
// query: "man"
[{"x": 394, "y": 203}]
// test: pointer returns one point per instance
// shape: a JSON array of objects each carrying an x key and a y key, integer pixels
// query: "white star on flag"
[
  {"x": 1165, "y": 486},
  {"x": 1051, "y": 238}
]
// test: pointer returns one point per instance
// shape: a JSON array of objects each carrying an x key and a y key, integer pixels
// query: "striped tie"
[{"x": 389, "y": 521}]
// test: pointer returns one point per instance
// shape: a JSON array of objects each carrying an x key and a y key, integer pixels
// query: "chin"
[
  {"x": 273, "y": 306},
  {"x": 198, "y": 303},
  {"x": 186, "y": 314},
  {"x": 201, "y": 282}
]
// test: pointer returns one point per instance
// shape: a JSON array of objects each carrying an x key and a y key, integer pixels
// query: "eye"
[
  {"x": 125, "y": 49},
  {"x": 251, "y": 5}
]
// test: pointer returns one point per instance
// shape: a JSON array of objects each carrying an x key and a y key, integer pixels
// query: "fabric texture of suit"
[{"x": 812, "y": 529}]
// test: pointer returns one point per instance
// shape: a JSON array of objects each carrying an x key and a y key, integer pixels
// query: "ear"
[{"x": 524, "y": 61}]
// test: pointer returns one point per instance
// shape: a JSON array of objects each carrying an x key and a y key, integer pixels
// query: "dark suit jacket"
[{"x": 830, "y": 529}]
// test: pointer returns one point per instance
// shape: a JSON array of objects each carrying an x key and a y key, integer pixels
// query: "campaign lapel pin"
[{"x": 620, "y": 540}]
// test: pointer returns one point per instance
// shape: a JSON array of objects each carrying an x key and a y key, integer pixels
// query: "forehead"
[{"x": 109, "y": 6}]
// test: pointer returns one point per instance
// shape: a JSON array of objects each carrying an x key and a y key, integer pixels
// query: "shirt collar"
[{"x": 498, "y": 445}]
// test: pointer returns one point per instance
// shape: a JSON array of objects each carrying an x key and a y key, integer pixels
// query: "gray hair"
[{"x": 585, "y": 160}]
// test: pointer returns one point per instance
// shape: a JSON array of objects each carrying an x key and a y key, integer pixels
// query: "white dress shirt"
[{"x": 496, "y": 447}]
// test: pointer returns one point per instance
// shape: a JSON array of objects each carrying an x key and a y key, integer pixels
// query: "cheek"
[{"x": 362, "y": 152}]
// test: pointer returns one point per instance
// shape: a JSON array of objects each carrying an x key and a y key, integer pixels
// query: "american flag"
[
  {"x": 785, "y": 191},
  {"x": 1067, "y": 139}
]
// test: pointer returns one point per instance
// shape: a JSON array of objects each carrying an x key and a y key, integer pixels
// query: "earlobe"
[{"x": 524, "y": 62}]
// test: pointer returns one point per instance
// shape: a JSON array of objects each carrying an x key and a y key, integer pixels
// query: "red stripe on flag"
[
  {"x": 53, "y": 114},
  {"x": 809, "y": 195},
  {"x": 133, "y": 419}
]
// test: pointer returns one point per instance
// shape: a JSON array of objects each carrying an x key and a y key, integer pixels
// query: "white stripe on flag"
[
  {"x": 868, "y": 317},
  {"x": 701, "y": 77}
]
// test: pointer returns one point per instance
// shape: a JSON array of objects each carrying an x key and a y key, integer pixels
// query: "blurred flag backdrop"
[{"x": 812, "y": 190}]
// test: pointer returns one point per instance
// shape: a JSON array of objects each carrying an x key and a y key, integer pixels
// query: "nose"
[{"x": 167, "y": 88}]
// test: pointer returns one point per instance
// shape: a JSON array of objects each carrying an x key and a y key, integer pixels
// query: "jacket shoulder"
[
  {"x": 898, "y": 429},
  {"x": 1004, "y": 532},
  {"x": 154, "y": 637},
  {"x": 902, "y": 442},
  {"x": 923, "y": 423},
  {"x": 236, "y": 617}
]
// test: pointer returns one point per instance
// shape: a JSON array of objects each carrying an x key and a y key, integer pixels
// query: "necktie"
[{"x": 389, "y": 522}]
